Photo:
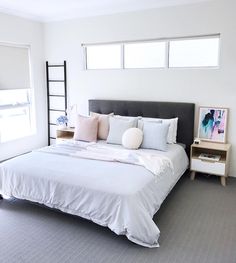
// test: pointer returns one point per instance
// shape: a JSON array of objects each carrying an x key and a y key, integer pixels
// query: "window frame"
[
  {"x": 195, "y": 38},
  {"x": 167, "y": 55},
  {"x": 31, "y": 102}
]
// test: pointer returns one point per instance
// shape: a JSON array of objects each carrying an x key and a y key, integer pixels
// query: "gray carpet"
[{"x": 197, "y": 223}]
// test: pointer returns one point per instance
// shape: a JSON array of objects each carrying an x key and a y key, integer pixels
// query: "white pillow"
[
  {"x": 132, "y": 138},
  {"x": 172, "y": 134},
  {"x": 173, "y": 124}
]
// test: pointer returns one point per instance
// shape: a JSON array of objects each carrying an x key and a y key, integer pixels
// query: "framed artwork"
[{"x": 212, "y": 125}]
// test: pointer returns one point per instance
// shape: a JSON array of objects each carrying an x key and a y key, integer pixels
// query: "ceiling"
[{"x": 54, "y": 10}]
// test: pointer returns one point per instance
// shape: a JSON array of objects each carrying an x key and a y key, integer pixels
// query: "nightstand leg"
[
  {"x": 192, "y": 176},
  {"x": 223, "y": 180}
]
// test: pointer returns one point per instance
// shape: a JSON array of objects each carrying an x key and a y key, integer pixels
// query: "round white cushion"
[{"x": 132, "y": 138}]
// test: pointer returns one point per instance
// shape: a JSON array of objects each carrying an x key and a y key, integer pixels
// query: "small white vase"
[{"x": 61, "y": 126}]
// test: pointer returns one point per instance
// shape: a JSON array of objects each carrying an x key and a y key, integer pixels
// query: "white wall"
[
  {"x": 212, "y": 87},
  {"x": 21, "y": 31}
]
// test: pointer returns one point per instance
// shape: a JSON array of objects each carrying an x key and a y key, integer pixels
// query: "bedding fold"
[{"x": 154, "y": 163}]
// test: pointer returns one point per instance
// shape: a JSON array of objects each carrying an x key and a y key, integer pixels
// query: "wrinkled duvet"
[{"x": 120, "y": 193}]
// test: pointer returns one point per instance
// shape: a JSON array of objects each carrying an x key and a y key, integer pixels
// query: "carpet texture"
[{"x": 197, "y": 223}]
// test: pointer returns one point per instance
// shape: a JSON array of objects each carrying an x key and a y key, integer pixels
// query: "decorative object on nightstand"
[
  {"x": 72, "y": 115},
  {"x": 62, "y": 122},
  {"x": 196, "y": 141},
  {"x": 210, "y": 158},
  {"x": 212, "y": 125},
  {"x": 65, "y": 134}
]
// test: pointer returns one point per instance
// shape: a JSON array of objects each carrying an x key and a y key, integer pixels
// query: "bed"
[{"x": 118, "y": 195}]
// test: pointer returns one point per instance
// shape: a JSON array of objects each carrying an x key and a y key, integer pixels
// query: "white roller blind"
[{"x": 14, "y": 67}]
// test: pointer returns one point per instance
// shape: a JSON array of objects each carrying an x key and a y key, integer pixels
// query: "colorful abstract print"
[{"x": 212, "y": 124}]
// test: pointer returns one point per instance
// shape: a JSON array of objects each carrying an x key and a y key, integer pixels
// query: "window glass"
[
  {"x": 200, "y": 52},
  {"x": 145, "y": 55},
  {"x": 186, "y": 53},
  {"x": 15, "y": 117},
  {"x": 14, "y": 97},
  {"x": 103, "y": 57}
]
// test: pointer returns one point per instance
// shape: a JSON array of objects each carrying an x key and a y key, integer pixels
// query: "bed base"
[{"x": 1, "y": 197}]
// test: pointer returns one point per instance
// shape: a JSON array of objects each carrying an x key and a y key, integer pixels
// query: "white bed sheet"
[{"x": 123, "y": 197}]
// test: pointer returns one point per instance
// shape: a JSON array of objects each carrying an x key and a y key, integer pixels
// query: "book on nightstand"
[{"x": 210, "y": 157}]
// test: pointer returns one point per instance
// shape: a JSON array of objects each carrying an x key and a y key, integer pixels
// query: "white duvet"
[{"x": 107, "y": 184}]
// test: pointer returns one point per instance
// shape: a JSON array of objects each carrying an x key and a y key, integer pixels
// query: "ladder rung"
[
  {"x": 62, "y": 96},
  {"x": 55, "y": 66},
  {"x": 55, "y": 80},
  {"x": 52, "y": 137},
  {"x": 56, "y": 110},
  {"x": 52, "y": 124}
]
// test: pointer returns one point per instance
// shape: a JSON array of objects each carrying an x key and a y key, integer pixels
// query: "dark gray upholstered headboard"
[{"x": 184, "y": 111}]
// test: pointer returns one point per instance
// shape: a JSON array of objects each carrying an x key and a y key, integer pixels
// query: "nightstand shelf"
[
  {"x": 65, "y": 134},
  {"x": 216, "y": 167}
]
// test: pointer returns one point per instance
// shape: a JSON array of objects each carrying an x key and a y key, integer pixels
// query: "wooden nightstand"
[
  {"x": 219, "y": 168},
  {"x": 65, "y": 134}
]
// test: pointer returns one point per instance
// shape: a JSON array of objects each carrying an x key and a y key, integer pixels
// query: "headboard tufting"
[{"x": 184, "y": 111}]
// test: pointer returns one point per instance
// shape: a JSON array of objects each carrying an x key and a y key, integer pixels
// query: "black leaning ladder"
[{"x": 64, "y": 80}]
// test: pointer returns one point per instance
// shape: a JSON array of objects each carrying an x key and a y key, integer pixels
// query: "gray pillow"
[
  {"x": 155, "y": 135},
  {"x": 117, "y": 127}
]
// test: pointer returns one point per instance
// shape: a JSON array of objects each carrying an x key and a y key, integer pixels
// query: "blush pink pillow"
[
  {"x": 103, "y": 124},
  {"x": 86, "y": 129}
]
